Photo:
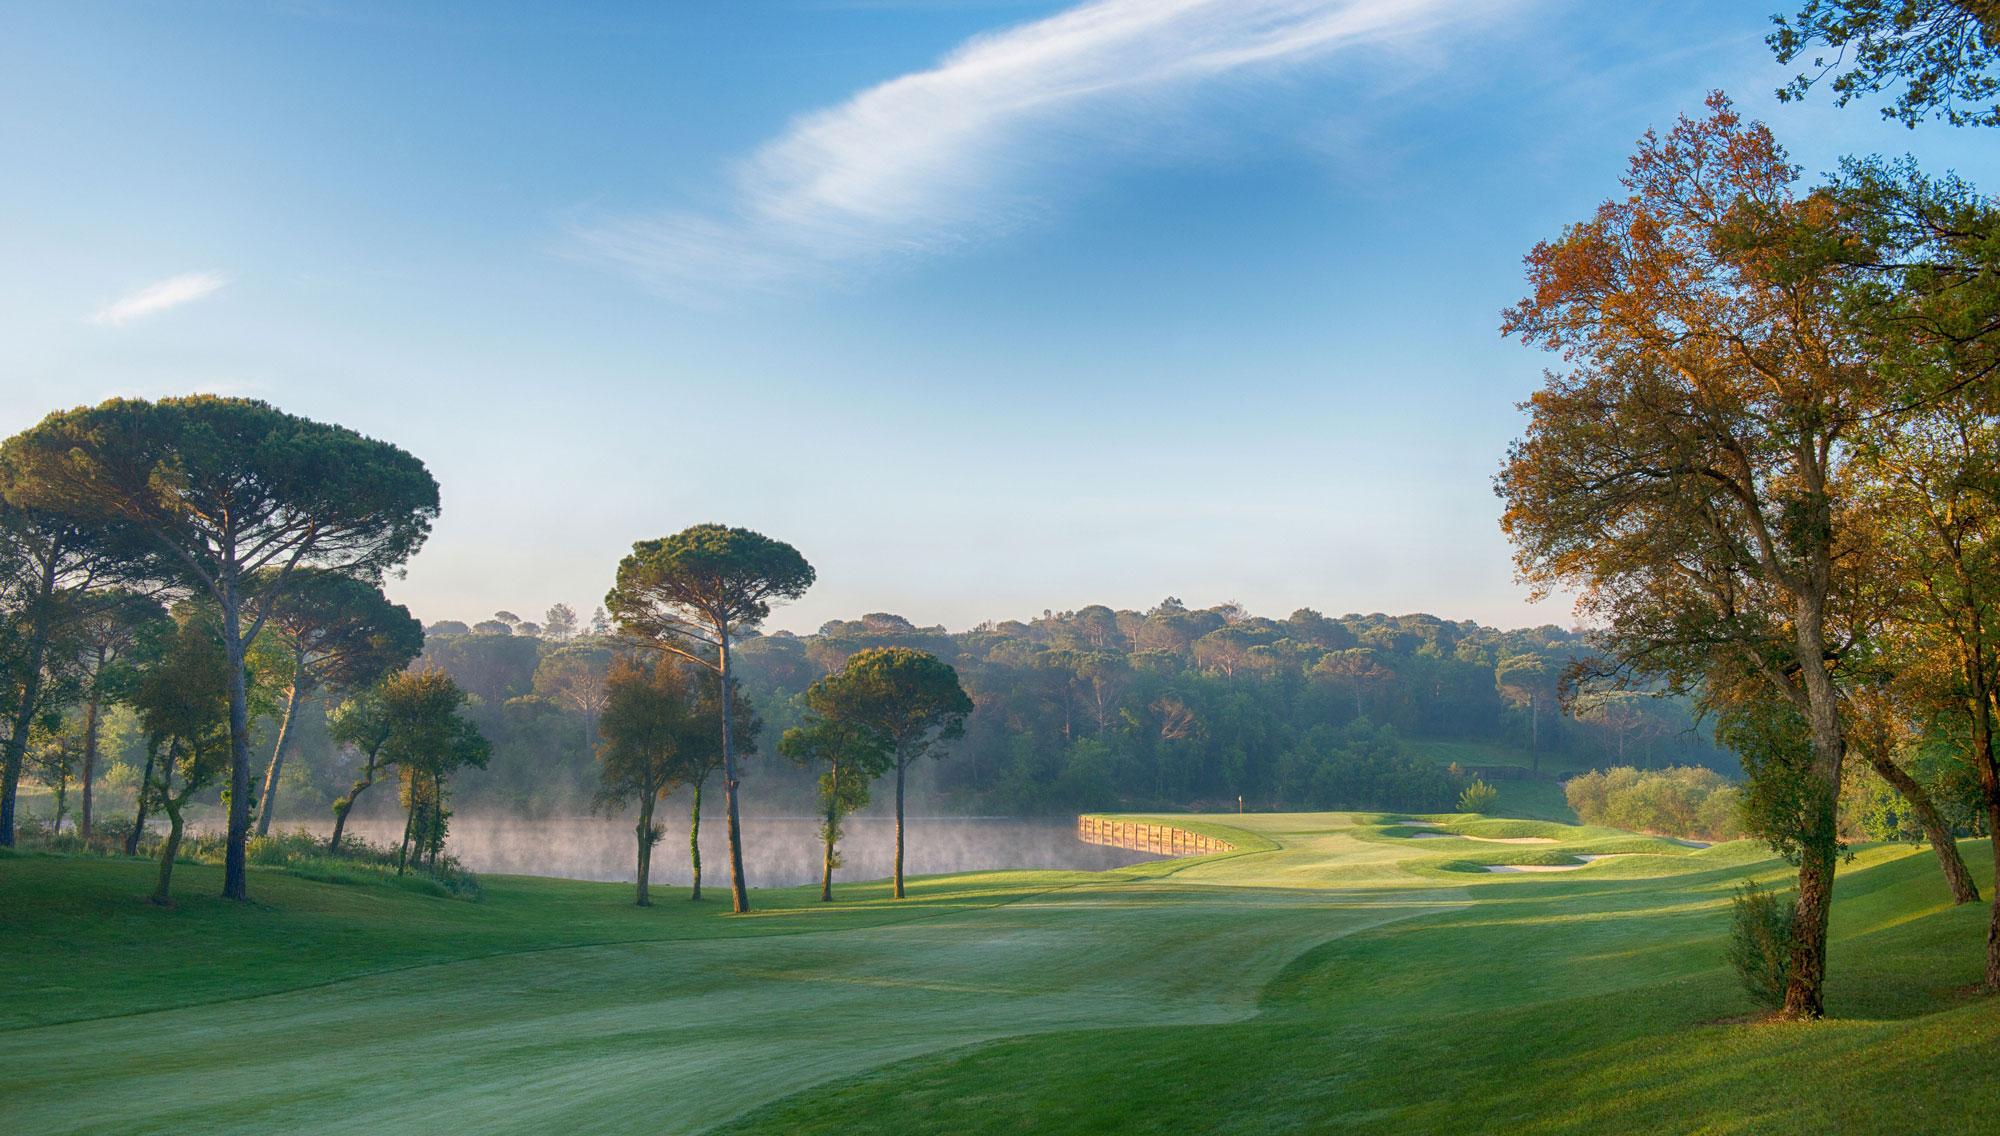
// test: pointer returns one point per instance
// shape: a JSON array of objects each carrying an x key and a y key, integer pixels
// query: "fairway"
[{"x": 1331, "y": 973}]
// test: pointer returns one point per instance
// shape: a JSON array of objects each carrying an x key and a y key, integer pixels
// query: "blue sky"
[{"x": 987, "y": 307}]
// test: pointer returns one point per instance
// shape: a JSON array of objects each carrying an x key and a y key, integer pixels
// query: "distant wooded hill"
[{"x": 1097, "y": 708}]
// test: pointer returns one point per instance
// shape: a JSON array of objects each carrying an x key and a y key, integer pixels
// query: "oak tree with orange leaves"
[{"x": 1687, "y": 470}]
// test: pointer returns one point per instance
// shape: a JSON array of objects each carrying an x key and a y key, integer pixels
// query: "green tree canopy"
[
  {"x": 847, "y": 757},
  {"x": 690, "y": 595},
  {"x": 231, "y": 495},
  {"x": 910, "y": 700},
  {"x": 658, "y": 731},
  {"x": 337, "y": 633},
  {"x": 429, "y": 739},
  {"x": 115, "y": 622},
  {"x": 182, "y": 698},
  {"x": 1942, "y": 54},
  {"x": 50, "y": 567}
]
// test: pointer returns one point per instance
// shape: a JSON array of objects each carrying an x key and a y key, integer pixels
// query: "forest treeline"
[{"x": 1090, "y": 709}]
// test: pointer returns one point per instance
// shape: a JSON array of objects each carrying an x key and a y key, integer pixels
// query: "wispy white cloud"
[
  {"x": 936, "y": 159},
  {"x": 154, "y": 298}
]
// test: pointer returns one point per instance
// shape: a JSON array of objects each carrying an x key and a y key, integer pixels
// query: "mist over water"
[{"x": 777, "y": 851}]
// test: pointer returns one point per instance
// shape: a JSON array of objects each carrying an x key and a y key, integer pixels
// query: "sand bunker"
[
  {"x": 1587, "y": 862},
  {"x": 1514, "y": 839}
]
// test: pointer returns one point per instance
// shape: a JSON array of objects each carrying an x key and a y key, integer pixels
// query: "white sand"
[
  {"x": 1514, "y": 839},
  {"x": 1587, "y": 862}
]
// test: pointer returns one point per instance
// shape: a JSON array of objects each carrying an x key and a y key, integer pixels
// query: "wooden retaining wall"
[{"x": 1164, "y": 839}]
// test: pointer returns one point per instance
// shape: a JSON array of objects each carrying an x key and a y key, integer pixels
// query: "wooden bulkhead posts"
[{"x": 1165, "y": 839}]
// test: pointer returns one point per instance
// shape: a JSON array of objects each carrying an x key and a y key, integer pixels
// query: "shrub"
[
  {"x": 1478, "y": 797},
  {"x": 1679, "y": 801},
  {"x": 32, "y": 829},
  {"x": 297, "y": 853},
  {"x": 301, "y": 853},
  {"x": 1760, "y": 941},
  {"x": 1720, "y": 817}
]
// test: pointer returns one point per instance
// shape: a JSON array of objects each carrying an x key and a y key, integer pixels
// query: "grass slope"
[{"x": 1334, "y": 974}]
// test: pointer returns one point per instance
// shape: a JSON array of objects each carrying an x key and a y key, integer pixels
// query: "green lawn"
[
  {"x": 1336, "y": 973},
  {"x": 1491, "y": 753}
]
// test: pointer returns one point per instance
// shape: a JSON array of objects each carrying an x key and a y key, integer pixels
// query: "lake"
[{"x": 777, "y": 851}]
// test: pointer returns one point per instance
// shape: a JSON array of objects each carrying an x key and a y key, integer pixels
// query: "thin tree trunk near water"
[
  {"x": 739, "y": 890},
  {"x": 409, "y": 827},
  {"x": 90, "y": 724},
  {"x": 341, "y": 809},
  {"x": 832, "y": 819},
  {"x": 899, "y": 826},
  {"x": 268, "y": 803},
  {"x": 161, "y": 894},
  {"x": 235, "y": 876},
  {"x": 642, "y": 898},
  {"x": 62, "y": 802},
  {"x": 694, "y": 843},
  {"x": 145, "y": 794}
]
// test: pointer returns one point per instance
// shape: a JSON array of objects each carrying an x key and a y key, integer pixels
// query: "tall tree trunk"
[
  {"x": 161, "y": 894},
  {"x": 739, "y": 891},
  {"x": 1963, "y": 889},
  {"x": 1993, "y": 838},
  {"x": 643, "y": 898},
  {"x": 1983, "y": 760},
  {"x": 434, "y": 822},
  {"x": 694, "y": 843},
  {"x": 342, "y": 807},
  {"x": 347, "y": 805},
  {"x": 1805, "y": 996},
  {"x": 832, "y": 833},
  {"x": 427, "y": 818},
  {"x": 409, "y": 827},
  {"x": 235, "y": 879},
  {"x": 31, "y": 697},
  {"x": 90, "y": 726},
  {"x": 268, "y": 803},
  {"x": 145, "y": 796},
  {"x": 900, "y": 763}
]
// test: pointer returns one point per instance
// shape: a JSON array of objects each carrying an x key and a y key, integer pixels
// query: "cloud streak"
[
  {"x": 156, "y": 298},
  {"x": 973, "y": 147}
]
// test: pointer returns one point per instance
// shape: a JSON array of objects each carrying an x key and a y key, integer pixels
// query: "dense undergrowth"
[{"x": 298, "y": 852}]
